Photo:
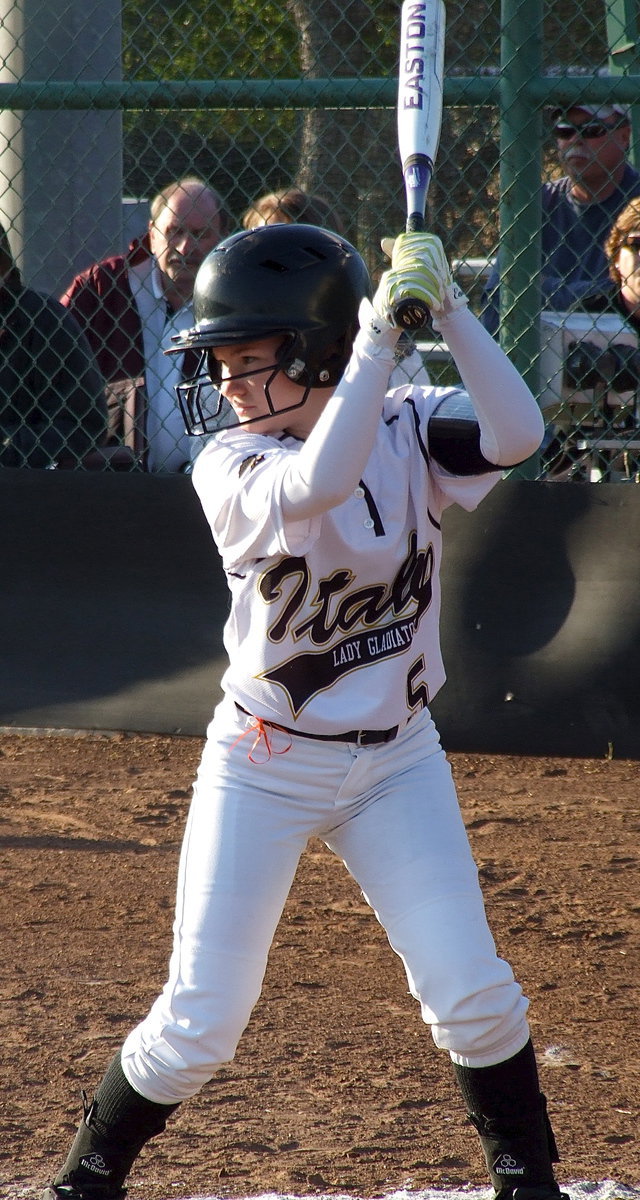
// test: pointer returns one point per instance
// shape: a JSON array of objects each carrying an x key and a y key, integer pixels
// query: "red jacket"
[{"x": 102, "y": 303}]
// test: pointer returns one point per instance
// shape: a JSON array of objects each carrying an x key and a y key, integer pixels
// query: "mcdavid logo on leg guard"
[
  {"x": 95, "y": 1163},
  {"x": 506, "y": 1164}
]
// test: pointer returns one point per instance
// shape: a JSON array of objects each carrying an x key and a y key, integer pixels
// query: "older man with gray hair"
[{"x": 130, "y": 306}]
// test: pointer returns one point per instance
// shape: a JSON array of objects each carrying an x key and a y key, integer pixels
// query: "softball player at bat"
[{"x": 325, "y": 494}]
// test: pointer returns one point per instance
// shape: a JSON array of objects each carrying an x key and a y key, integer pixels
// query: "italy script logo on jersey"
[{"x": 340, "y": 609}]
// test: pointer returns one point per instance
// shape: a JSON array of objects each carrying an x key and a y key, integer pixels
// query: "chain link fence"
[{"x": 102, "y": 106}]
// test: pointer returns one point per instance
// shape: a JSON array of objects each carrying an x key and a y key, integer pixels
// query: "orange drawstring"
[{"x": 261, "y": 729}]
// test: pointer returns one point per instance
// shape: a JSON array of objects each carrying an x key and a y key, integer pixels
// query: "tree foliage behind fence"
[{"x": 348, "y": 155}]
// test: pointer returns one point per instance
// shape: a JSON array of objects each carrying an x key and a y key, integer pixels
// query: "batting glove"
[
  {"x": 419, "y": 271},
  {"x": 380, "y": 334}
]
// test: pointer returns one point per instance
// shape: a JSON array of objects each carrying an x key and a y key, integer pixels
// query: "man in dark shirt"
[{"x": 579, "y": 209}]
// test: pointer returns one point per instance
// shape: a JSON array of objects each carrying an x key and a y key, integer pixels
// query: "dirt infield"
[{"x": 337, "y": 1086}]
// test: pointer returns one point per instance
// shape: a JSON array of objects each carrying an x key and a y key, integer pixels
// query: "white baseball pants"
[{"x": 391, "y": 813}]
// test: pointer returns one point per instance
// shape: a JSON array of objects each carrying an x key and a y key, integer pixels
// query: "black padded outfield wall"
[
  {"x": 113, "y": 602},
  {"x": 541, "y": 622}
]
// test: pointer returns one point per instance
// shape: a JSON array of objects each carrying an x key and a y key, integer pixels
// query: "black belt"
[{"x": 359, "y": 737}]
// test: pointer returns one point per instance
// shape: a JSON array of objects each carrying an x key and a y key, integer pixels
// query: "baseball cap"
[{"x": 603, "y": 111}]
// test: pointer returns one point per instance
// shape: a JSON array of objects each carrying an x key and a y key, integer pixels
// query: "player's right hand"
[{"x": 419, "y": 271}]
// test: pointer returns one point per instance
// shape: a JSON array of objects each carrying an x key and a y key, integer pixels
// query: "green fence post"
[
  {"x": 624, "y": 54},
  {"x": 520, "y": 180}
]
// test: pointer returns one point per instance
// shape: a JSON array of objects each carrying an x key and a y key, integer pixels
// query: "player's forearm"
[
  {"x": 511, "y": 424},
  {"x": 333, "y": 458}
]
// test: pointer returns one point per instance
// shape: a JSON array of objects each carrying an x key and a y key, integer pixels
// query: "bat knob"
[{"x": 412, "y": 314}]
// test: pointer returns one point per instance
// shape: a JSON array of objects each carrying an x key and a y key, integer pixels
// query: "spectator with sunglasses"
[{"x": 579, "y": 209}]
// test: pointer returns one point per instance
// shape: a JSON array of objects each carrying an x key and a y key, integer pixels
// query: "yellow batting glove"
[{"x": 420, "y": 271}]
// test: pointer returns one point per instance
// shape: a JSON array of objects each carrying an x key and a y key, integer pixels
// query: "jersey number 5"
[{"x": 417, "y": 694}]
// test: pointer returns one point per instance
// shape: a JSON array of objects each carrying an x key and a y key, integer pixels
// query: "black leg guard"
[
  {"x": 506, "y": 1106},
  {"x": 114, "y": 1129}
]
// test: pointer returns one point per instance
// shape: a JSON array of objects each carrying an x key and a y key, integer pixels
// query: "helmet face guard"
[
  {"x": 204, "y": 408},
  {"x": 299, "y": 282}
]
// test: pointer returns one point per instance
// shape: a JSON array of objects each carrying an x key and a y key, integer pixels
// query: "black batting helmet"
[{"x": 300, "y": 281}]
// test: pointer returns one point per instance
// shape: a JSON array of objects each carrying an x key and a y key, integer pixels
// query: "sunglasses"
[
  {"x": 632, "y": 242},
  {"x": 589, "y": 131}
]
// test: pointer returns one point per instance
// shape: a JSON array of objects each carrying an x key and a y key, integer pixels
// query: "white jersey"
[{"x": 335, "y": 620}]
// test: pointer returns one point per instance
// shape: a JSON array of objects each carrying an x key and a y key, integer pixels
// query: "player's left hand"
[{"x": 420, "y": 270}]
